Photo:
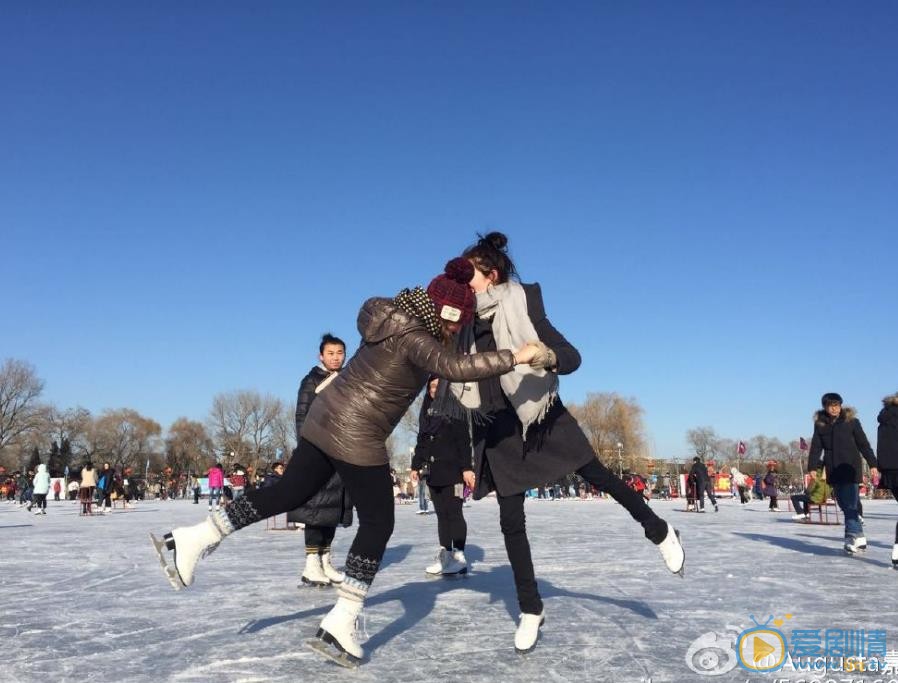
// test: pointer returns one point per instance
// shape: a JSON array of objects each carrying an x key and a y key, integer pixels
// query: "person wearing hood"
[
  {"x": 41, "y": 486},
  {"x": 522, "y": 435},
  {"x": 839, "y": 441},
  {"x": 887, "y": 455},
  {"x": 405, "y": 340}
]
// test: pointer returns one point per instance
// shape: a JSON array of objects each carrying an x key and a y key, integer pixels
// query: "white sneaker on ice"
[
  {"x": 313, "y": 574},
  {"x": 801, "y": 517},
  {"x": 672, "y": 551},
  {"x": 442, "y": 560},
  {"x": 528, "y": 631},
  {"x": 895, "y": 556},
  {"x": 336, "y": 634},
  {"x": 329, "y": 570}
]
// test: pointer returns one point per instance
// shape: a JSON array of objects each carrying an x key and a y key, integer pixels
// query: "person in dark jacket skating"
[
  {"x": 331, "y": 506},
  {"x": 839, "y": 440},
  {"x": 105, "y": 486},
  {"x": 887, "y": 455},
  {"x": 529, "y": 438},
  {"x": 443, "y": 458},
  {"x": 699, "y": 472},
  {"x": 405, "y": 340}
]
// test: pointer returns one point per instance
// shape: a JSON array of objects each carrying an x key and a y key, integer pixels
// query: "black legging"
[
  {"x": 319, "y": 538},
  {"x": 514, "y": 528},
  {"x": 704, "y": 487},
  {"x": 451, "y": 527},
  {"x": 308, "y": 470}
]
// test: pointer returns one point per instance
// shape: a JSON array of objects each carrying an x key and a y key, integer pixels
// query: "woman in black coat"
[
  {"x": 443, "y": 458},
  {"x": 887, "y": 455},
  {"x": 529, "y": 437},
  {"x": 331, "y": 506}
]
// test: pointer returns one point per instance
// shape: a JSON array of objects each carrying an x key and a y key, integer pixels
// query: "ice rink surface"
[{"x": 85, "y": 599}]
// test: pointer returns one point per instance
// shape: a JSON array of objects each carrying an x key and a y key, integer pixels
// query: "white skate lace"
[
  {"x": 361, "y": 629},
  {"x": 208, "y": 550}
]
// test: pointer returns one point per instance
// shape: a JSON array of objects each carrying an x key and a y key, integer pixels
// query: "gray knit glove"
[{"x": 545, "y": 357}]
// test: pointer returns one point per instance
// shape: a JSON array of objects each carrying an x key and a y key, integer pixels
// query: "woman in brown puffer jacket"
[{"x": 405, "y": 340}]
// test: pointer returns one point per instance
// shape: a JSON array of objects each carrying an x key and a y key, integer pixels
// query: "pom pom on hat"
[{"x": 451, "y": 292}]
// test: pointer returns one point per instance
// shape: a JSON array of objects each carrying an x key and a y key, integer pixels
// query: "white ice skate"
[
  {"x": 527, "y": 633},
  {"x": 672, "y": 551},
  {"x": 313, "y": 574},
  {"x": 895, "y": 556},
  {"x": 336, "y": 634},
  {"x": 853, "y": 546},
  {"x": 188, "y": 544},
  {"x": 329, "y": 570},
  {"x": 458, "y": 564}
]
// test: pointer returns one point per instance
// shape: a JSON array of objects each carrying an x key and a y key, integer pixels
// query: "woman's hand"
[
  {"x": 469, "y": 478},
  {"x": 525, "y": 354}
]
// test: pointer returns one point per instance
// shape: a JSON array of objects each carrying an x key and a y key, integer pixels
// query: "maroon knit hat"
[{"x": 451, "y": 294}]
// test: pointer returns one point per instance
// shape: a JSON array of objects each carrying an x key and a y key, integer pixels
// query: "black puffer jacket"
[
  {"x": 887, "y": 435},
  {"x": 841, "y": 442},
  {"x": 352, "y": 419},
  {"x": 331, "y": 506},
  {"x": 444, "y": 445}
]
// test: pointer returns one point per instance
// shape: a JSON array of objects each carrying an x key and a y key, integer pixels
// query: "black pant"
[
  {"x": 514, "y": 528},
  {"x": 773, "y": 505},
  {"x": 106, "y": 498},
  {"x": 801, "y": 503},
  {"x": 319, "y": 538},
  {"x": 703, "y": 488},
  {"x": 451, "y": 527},
  {"x": 742, "y": 497},
  {"x": 40, "y": 500},
  {"x": 308, "y": 470}
]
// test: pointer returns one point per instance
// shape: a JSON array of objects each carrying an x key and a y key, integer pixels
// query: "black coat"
[
  {"x": 841, "y": 442},
  {"x": 554, "y": 448},
  {"x": 444, "y": 444},
  {"x": 700, "y": 472},
  {"x": 331, "y": 506},
  {"x": 887, "y": 435}
]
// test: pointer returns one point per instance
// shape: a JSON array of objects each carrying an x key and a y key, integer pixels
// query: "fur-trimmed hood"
[
  {"x": 889, "y": 412},
  {"x": 821, "y": 417}
]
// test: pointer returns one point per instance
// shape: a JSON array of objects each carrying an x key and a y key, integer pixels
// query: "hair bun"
[
  {"x": 496, "y": 240},
  {"x": 460, "y": 270}
]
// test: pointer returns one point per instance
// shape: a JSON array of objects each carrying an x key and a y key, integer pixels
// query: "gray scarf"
[{"x": 530, "y": 391}]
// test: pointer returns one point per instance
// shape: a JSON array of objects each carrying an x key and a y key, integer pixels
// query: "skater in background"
[
  {"x": 702, "y": 479},
  {"x": 528, "y": 437},
  {"x": 770, "y": 489},
  {"x": 404, "y": 341},
  {"x": 443, "y": 459},
  {"x": 88, "y": 484},
  {"x": 216, "y": 484},
  {"x": 57, "y": 488},
  {"x": 839, "y": 441},
  {"x": 237, "y": 479},
  {"x": 741, "y": 484},
  {"x": 105, "y": 485},
  {"x": 887, "y": 455},
  {"x": 41, "y": 487},
  {"x": 331, "y": 506}
]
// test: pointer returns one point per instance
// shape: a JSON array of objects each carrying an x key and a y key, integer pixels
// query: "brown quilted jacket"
[{"x": 353, "y": 418}]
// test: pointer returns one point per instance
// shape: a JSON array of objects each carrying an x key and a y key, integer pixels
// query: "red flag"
[
  {"x": 802, "y": 444},
  {"x": 740, "y": 449}
]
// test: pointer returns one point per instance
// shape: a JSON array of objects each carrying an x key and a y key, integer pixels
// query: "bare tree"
[
  {"x": 704, "y": 441},
  {"x": 229, "y": 422},
  {"x": 250, "y": 428},
  {"x": 125, "y": 438},
  {"x": 20, "y": 388},
  {"x": 188, "y": 447},
  {"x": 609, "y": 419}
]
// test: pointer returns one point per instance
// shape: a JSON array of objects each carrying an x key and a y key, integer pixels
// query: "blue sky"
[{"x": 191, "y": 193}]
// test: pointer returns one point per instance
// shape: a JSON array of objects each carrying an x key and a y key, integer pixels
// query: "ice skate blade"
[
  {"x": 460, "y": 574},
  {"x": 312, "y": 584},
  {"x": 326, "y": 645},
  {"x": 170, "y": 572}
]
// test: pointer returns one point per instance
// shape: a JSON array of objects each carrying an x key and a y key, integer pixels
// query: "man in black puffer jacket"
[
  {"x": 887, "y": 455},
  {"x": 331, "y": 506},
  {"x": 840, "y": 440}
]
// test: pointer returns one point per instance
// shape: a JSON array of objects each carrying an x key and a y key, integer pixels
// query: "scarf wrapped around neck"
[{"x": 530, "y": 391}]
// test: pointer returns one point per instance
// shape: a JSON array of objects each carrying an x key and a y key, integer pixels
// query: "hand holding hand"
[
  {"x": 545, "y": 357},
  {"x": 525, "y": 354}
]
